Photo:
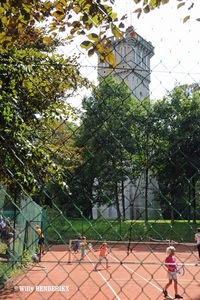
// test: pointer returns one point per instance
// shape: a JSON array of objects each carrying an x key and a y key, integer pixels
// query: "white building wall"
[
  {"x": 132, "y": 56},
  {"x": 134, "y": 194}
]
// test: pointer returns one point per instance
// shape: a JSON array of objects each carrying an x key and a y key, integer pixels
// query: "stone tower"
[{"x": 132, "y": 56}]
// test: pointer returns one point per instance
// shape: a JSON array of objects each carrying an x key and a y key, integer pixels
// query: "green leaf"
[
  {"x": 86, "y": 45},
  {"x": 47, "y": 40},
  {"x": 93, "y": 36},
  {"x": 154, "y": 3},
  {"x": 111, "y": 59},
  {"x": 116, "y": 32}
]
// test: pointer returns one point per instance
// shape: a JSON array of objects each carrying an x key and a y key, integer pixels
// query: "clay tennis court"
[{"x": 139, "y": 275}]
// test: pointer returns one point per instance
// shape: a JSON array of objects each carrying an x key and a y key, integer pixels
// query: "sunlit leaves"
[
  {"x": 115, "y": 31},
  {"x": 91, "y": 52},
  {"x": 88, "y": 14},
  {"x": 110, "y": 58},
  {"x": 77, "y": 9},
  {"x": 34, "y": 94},
  {"x": 154, "y": 3},
  {"x": 146, "y": 9},
  {"x": 47, "y": 40},
  {"x": 59, "y": 15},
  {"x": 86, "y": 45},
  {"x": 138, "y": 11},
  {"x": 148, "y": 5},
  {"x": 101, "y": 46},
  {"x": 93, "y": 37},
  {"x": 186, "y": 19},
  {"x": 180, "y": 4}
]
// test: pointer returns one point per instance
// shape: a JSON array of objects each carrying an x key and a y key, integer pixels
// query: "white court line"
[
  {"x": 139, "y": 275},
  {"x": 106, "y": 281}
]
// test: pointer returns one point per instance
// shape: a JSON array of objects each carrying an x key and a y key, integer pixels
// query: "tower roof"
[{"x": 134, "y": 39}]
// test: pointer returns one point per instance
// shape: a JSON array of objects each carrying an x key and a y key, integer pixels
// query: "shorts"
[
  {"x": 76, "y": 246},
  {"x": 102, "y": 257},
  {"x": 41, "y": 241},
  {"x": 172, "y": 275},
  {"x": 83, "y": 251}
]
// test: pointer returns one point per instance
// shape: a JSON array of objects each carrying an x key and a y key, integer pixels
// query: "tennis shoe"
[
  {"x": 165, "y": 293},
  {"x": 177, "y": 296}
]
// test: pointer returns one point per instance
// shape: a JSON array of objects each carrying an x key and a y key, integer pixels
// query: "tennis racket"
[
  {"x": 181, "y": 271},
  {"x": 90, "y": 246}
]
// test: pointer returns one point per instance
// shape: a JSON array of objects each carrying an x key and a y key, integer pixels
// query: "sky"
[{"x": 176, "y": 45}]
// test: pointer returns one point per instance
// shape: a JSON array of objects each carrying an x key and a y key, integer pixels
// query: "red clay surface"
[{"x": 137, "y": 276}]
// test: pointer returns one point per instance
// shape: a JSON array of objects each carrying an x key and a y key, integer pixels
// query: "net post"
[{"x": 70, "y": 249}]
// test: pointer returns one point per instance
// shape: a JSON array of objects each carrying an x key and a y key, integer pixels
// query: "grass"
[
  {"x": 64, "y": 229},
  {"x": 10, "y": 268}
]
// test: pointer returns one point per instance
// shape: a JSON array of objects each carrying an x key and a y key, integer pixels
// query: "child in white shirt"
[{"x": 197, "y": 239}]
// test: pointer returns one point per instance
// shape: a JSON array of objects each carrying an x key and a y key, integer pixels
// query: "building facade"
[{"x": 132, "y": 57}]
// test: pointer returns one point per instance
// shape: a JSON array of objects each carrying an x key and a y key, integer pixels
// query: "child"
[
  {"x": 35, "y": 258},
  {"x": 83, "y": 246},
  {"x": 41, "y": 238},
  {"x": 77, "y": 243},
  {"x": 170, "y": 263},
  {"x": 197, "y": 239},
  {"x": 102, "y": 255},
  {"x": 9, "y": 243}
]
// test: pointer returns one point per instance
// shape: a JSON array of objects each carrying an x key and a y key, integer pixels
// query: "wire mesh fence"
[{"x": 115, "y": 164}]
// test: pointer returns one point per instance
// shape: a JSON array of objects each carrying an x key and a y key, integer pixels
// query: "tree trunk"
[
  {"x": 146, "y": 195},
  {"x": 194, "y": 199},
  {"x": 91, "y": 213},
  {"x": 117, "y": 202},
  {"x": 189, "y": 199},
  {"x": 123, "y": 201},
  {"x": 172, "y": 209}
]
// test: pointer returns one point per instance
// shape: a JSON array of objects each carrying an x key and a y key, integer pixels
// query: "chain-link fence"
[{"x": 109, "y": 174}]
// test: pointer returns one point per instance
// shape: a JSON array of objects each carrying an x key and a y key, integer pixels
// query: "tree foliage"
[
  {"x": 120, "y": 138},
  {"x": 106, "y": 139},
  {"x": 34, "y": 90},
  {"x": 175, "y": 161},
  {"x": 149, "y": 5},
  {"x": 71, "y": 18},
  {"x": 35, "y": 84}
]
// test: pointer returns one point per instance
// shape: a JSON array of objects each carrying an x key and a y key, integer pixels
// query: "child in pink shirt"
[{"x": 170, "y": 263}]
